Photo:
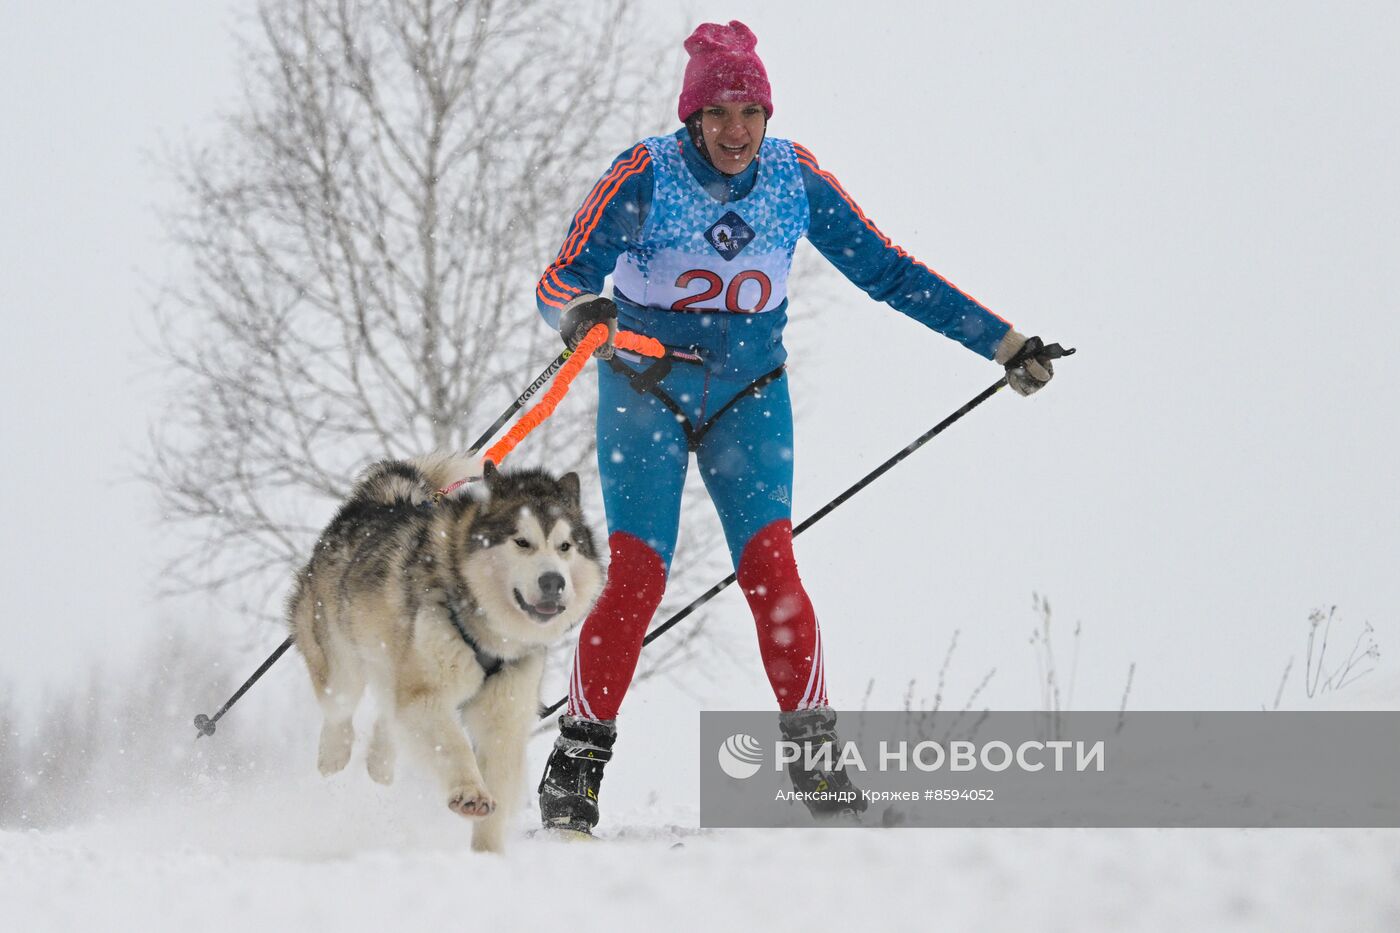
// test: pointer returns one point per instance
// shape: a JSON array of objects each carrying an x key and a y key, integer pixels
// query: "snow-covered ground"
[
  {"x": 288, "y": 850},
  {"x": 302, "y": 857},
  {"x": 239, "y": 832}
]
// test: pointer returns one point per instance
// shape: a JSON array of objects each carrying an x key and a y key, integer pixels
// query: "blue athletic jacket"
[{"x": 613, "y": 222}]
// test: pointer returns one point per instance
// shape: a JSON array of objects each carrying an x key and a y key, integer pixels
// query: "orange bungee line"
[{"x": 625, "y": 340}]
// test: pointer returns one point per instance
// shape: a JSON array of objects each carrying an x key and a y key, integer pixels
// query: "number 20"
[{"x": 714, "y": 284}]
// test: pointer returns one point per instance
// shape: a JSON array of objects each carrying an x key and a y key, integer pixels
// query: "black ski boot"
[
  {"x": 574, "y": 773},
  {"x": 827, "y": 792}
]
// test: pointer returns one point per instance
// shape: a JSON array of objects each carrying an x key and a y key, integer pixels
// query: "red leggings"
[{"x": 789, "y": 639}]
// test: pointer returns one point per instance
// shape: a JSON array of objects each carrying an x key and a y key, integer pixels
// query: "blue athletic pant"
[{"x": 744, "y": 457}]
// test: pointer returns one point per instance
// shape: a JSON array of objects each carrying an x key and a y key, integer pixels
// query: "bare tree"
[{"x": 363, "y": 242}]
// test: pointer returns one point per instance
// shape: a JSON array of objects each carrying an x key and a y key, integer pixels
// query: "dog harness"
[{"x": 490, "y": 663}]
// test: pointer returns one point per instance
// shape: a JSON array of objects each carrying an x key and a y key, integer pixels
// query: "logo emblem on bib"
[{"x": 729, "y": 235}]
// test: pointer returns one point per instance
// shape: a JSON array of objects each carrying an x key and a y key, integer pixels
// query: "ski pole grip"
[
  {"x": 595, "y": 338},
  {"x": 1036, "y": 349}
]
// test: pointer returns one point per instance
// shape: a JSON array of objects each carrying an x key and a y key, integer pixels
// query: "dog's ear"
[
  {"x": 490, "y": 474},
  {"x": 569, "y": 483}
]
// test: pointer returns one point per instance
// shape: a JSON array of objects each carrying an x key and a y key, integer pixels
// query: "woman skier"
[{"x": 697, "y": 230}]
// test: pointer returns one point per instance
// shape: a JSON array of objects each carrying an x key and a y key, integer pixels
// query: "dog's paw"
[
  {"x": 471, "y": 803},
  {"x": 336, "y": 743},
  {"x": 333, "y": 760},
  {"x": 379, "y": 761},
  {"x": 380, "y": 768}
]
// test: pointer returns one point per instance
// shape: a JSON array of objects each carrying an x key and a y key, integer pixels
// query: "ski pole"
[
  {"x": 516, "y": 405},
  {"x": 206, "y": 724},
  {"x": 1051, "y": 352}
]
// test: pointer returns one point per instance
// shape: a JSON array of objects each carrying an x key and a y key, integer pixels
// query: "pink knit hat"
[{"x": 723, "y": 68}]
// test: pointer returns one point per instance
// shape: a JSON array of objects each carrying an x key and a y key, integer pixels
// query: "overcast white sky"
[{"x": 1201, "y": 197}]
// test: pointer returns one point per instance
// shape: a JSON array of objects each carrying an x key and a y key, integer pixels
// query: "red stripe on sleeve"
[{"x": 551, "y": 286}]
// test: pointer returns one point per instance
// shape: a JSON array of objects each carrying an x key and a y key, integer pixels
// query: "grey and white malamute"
[{"x": 444, "y": 608}]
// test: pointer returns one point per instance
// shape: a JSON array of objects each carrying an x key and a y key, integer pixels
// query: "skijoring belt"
[
  {"x": 646, "y": 382},
  {"x": 730, "y": 345}
]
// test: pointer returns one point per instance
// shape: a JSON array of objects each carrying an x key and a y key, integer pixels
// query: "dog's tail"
[
  {"x": 414, "y": 482},
  {"x": 444, "y": 469}
]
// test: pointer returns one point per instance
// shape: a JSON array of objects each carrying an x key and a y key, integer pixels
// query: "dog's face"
[{"x": 530, "y": 558}]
